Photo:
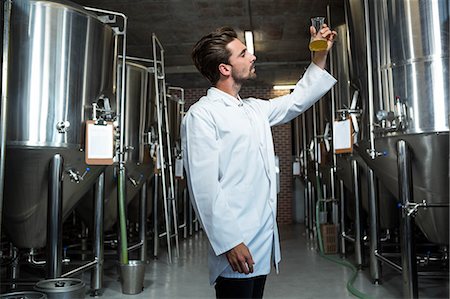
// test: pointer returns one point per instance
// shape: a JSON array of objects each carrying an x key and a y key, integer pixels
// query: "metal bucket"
[
  {"x": 24, "y": 295},
  {"x": 132, "y": 277},
  {"x": 62, "y": 288}
]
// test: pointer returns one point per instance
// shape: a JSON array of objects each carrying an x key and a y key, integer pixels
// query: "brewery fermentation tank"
[
  {"x": 404, "y": 76},
  {"x": 344, "y": 95},
  {"x": 61, "y": 61},
  {"x": 138, "y": 163}
]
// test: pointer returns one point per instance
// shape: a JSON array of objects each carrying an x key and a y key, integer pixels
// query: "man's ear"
[{"x": 224, "y": 69}]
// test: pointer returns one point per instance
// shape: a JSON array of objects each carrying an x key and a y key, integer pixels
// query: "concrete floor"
[{"x": 303, "y": 274}]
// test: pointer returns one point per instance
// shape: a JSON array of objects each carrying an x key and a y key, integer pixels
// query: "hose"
[
  {"x": 339, "y": 261},
  {"x": 122, "y": 217}
]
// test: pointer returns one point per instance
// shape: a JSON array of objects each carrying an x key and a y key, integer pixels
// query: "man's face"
[{"x": 242, "y": 62}]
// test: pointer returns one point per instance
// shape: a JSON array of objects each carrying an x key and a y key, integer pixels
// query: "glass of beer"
[{"x": 318, "y": 43}]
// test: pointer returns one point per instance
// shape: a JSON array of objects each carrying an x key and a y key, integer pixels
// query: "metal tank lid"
[
  {"x": 59, "y": 284},
  {"x": 24, "y": 295}
]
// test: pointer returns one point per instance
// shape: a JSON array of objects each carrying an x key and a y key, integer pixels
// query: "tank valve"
[
  {"x": 63, "y": 126},
  {"x": 75, "y": 176}
]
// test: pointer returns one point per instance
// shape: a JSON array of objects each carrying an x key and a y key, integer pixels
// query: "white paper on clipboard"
[
  {"x": 100, "y": 139},
  {"x": 342, "y": 136}
]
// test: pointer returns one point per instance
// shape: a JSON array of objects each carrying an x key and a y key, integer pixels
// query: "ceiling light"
[
  {"x": 283, "y": 87},
  {"x": 249, "y": 41}
]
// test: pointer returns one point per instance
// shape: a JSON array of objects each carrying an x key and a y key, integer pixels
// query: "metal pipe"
[
  {"x": 348, "y": 238},
  {"x": 374, "y": 227},
  {"x": 4, "y": 100},
  {"x": 358, "y": 243},
  {"x": 121, "y": 191},
  {"x": 143, "y": 222},
  {"x": 369, "y": 78},
  {"x": 316, "y": 144},
  {"x": 54, "y": 217},
  {"x": 155, "y": 216},
  {"x": 98, "y": 236},
  {"x": 169, "y": 158},
  {"x": 83, "y": 268},
  {"x": 306, "y": 216},
  {"x": 313, "y": 213},
  {"x": 161, "y": 146},
  {"x": 387, "y": 261},
  {"x": 311, "y": 217},
  {"x": 335, "y": 203},
  {"x": 342, "y": 206},
  {"x": 409, "y": 264},
  {"x": 136, "y": 246},
  {"x": 185, "y": 209}
]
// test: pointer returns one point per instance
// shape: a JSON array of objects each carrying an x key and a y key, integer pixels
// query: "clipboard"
[
  {"x": 343, "y": 136},
  {"x": 99, "y": 143}
]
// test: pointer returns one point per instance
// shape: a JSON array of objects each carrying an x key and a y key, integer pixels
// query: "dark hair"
[{"x": 210, "y": 51}]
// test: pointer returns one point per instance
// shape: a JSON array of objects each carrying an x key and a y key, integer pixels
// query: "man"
[{"x": 230, "y": 162}]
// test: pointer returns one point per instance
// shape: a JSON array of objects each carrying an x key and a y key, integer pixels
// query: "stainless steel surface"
[
  {"x": 54, "y": 217},
  {"x": 375, "y": 267},
  {"x": 138, "y": 93},
  {"x": 138, "y": 102},
  {"x": 4, "y": 100},
  {"x": 410, "y": 56},
  {"x": 62, "y": 288},
  {"x": 25, "y": 295},
  {"x": 358, "y": 224},
  {"x": 98, "y": 235},
  {"x": 409, "y": 259},
  {"x": 414, "y": 39},
  {"x": 62, "y": 63},
  {"x": 342, "y": 222},
  {"x": 143, "y": 222}
]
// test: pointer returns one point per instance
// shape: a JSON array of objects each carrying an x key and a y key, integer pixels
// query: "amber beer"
[{"x": 318, "y": 43}]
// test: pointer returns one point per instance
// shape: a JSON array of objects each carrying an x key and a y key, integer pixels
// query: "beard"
[{"x": 241, "y": 78}]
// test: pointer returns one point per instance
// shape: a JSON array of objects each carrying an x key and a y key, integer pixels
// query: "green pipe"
[
  {"x": 122, "y": 218},
  {"x": 350, "y": 282}
]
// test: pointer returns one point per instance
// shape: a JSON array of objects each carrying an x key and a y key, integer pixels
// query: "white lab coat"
[{"x": 230, "y": 166}]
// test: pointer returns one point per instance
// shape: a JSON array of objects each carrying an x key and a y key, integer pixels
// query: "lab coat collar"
[{"x": 228, "y": 99}]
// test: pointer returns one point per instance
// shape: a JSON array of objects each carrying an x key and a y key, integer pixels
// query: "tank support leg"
[
  {"x": 374, "y": 228},
  {"x": 54, "y": 217},
  {"x": 342, "y": 206},
  {"x": 155, "y": 215},
  {"x": 358, "y": 238},
  {"x": 98, "y": 236},
  {"x": 409, "y": 264},
  {"x": 143, "y": 222}
]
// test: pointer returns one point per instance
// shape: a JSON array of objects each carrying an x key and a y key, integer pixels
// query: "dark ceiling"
[{"x": 281, "y": 32}]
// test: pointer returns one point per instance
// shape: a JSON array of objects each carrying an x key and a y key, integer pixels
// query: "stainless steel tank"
[
  {"x": 409, "y": 50},
  {"x": 138, "y": 163},
  {"x": 61, "y": 61},
  {"x": 388, "y": 217}
]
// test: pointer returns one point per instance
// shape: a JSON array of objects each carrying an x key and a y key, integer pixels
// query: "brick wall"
[{"x": 282, "y": 143}]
